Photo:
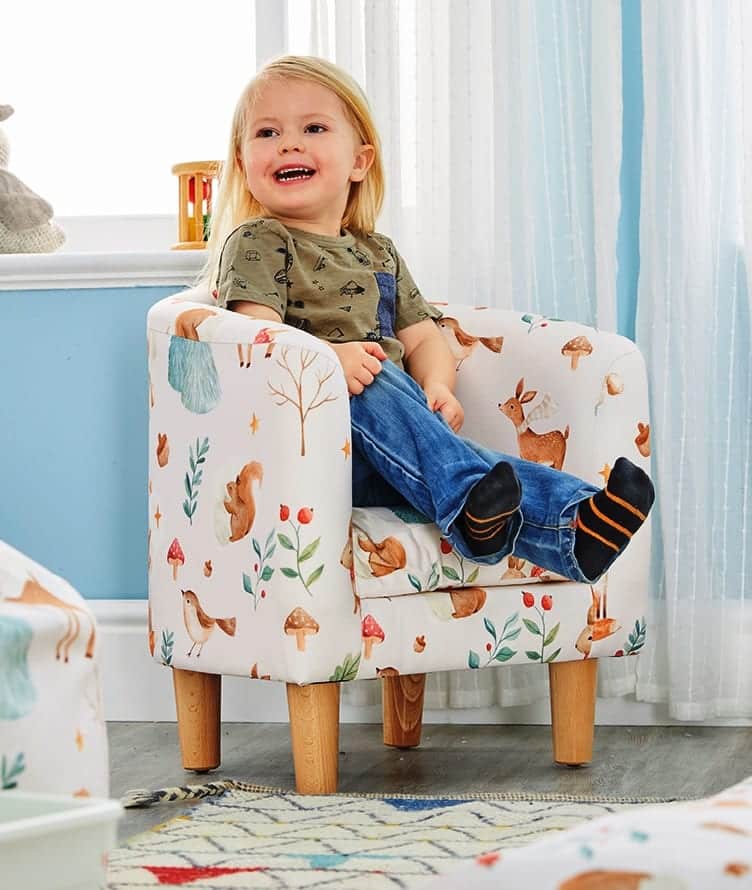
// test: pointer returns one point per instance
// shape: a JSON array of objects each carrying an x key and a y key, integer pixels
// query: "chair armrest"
[
  {"x": 596, "y": 397},
  {"x": 594, "y": 400},
  {"x": 247, "y": 418}
]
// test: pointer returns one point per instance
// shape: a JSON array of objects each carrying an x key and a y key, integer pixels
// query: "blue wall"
[{"x": 73, "y": 433}]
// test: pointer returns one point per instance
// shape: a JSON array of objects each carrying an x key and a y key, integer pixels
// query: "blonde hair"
[{"x": 235, "y": 203}]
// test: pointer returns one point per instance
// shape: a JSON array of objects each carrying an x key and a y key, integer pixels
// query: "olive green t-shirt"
[{"x": 338, "y": 288}]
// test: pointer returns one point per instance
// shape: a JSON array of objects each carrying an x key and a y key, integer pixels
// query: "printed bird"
[
  {"x": 461, "y": 343},
  {"x": 199, "y": 625}
]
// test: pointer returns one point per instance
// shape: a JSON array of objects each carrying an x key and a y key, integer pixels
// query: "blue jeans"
[{"x": 405, "y": 453}]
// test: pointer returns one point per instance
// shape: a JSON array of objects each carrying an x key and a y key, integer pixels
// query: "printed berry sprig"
[
  {"x": 528, "y": 600},
  {"x": 168, "y": 642},
  {"x": 453, "y": 574},
  {"x": 261, "y": 569},
  {"x": 431, "y": 584},
  {"x": 305, "y": 515},
  {"x": 9, "y": 774},
  {"x": 193, "y": 480},
  {"x": 497, "y": 651}
]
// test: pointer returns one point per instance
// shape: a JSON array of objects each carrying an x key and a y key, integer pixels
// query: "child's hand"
[
  {"x": 441, "y": 398},
  {"x": 361, "y": 362}
]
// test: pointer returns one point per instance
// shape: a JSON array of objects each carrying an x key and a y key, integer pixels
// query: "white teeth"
[{"x": 291, "y": 173}]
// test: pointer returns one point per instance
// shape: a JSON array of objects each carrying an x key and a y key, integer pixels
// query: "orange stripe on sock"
[
  {"x": 487, "y": 535},
  {"x": 608, "y": 520},
  {"x": 626, "y": 505},
  {"x": 589, "y": 531},
  {"x": 490, "y": 518}
]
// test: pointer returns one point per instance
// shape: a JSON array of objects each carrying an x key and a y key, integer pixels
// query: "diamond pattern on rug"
[{"x": 284, "y": 840}]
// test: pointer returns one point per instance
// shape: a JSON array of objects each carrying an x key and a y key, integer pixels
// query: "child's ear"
[{"x": 364, "y": 159}]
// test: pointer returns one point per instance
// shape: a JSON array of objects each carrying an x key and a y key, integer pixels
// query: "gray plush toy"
[{"x": 25, "y": 219}]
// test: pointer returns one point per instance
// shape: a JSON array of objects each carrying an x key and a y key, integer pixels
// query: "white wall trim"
[
  {"x": 67, "y": 271},
  {"x": 136, "y": 688}
]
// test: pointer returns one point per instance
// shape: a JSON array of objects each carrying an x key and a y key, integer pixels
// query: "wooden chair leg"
[
  {"x": 198, "y": 700},
  {"x": 314, "y": 731},
  {"x": 403, "y": 709},
  {"x": 573, "y": 709}
]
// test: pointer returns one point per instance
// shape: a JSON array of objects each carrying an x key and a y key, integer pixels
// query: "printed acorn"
[
  {"x": 163, "y": 449},
  {"x": 420, "y": 644},
  {"x": 208, "y": 568},
  {"x": 642, "y": 440},
  {"x": 175, "y": 557}
]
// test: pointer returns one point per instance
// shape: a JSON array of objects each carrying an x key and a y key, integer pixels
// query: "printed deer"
[
  {"x": 545, "y": 448},
  {"x": 33, "y": 594}
]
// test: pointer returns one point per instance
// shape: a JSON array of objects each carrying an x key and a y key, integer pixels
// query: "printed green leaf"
[
  {"x": 415, "y": 582},
  {"x": 315, "y": 575},
  {"x": 257, "y": 548},
  {"x": 450, "y": 573},
  {"x": 289, "y": 573},
  {"x": 434, "y": 579},
  {"x": 553, "y": 656},
  {"x": 531, "y": 626},
  {"x": 267, "y": 572},
  {"x": 191, "y": 461},
  {"x": 472, "y": 576},
  {"x": 285, "y": 541},
  {"x": 270, "y": 551},
  {"x": 473, "y": 660},
  {"x": 309, "y": 550},
  {"x": 505, "y": 654},
  {"x": 510, "y": 620},
  {"x": 533, "y": 656},
  {"x": 348, "y": 670},
  {"x": 197, "y": 479},
  {"x": 551, "y": 636},
  {"x": 247, "y": 584},
  {"x": 513, "y": 634},
  {"x": 187, "y": 483},
  {"x": 269, "y": 543},
  {"x": 488, "y": 624},
  {"x": 187, "y": 508}
]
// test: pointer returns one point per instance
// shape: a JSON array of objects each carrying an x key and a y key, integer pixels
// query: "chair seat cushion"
[{"x": 397, "y": 551}]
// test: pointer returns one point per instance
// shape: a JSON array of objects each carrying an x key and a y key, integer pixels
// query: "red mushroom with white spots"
[
  {"x": 372, "y": 634},
  {"x": 175, "y": 557}
]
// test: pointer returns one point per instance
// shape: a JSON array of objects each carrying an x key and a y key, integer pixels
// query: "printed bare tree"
[{"x": 307, "y": 360}]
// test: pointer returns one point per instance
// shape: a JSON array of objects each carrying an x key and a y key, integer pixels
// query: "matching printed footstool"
[{"x": 53, "y": 737}]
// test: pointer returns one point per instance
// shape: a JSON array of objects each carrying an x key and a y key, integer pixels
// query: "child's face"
[{"x": 295, "y": 123}]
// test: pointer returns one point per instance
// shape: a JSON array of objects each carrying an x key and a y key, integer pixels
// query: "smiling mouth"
[{"x": 294, "y": 174}]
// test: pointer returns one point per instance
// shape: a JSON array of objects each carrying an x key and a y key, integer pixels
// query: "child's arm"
[
  {"x": 255, "y": 310},
  {"x": 430, "y": 363}
]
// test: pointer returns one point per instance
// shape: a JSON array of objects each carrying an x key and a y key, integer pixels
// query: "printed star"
[
  {"x": 605, "y": 472},
  {"x": 157, "y": 516},
  {"x": 79, "y": 740},
  {"x": 254, "y": 424},
  {"x": 346, "y": 448}
]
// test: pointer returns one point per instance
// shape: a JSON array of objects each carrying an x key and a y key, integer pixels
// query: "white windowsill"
[
  {"x": 68, "y": 271},
  {"x": 110, "y": 251}
]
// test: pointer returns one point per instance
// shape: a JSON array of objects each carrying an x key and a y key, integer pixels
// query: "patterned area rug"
[{"x": 274, "y": 839}]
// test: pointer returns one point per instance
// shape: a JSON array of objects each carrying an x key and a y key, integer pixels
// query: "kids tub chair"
[{"x": 260, "y": 567}]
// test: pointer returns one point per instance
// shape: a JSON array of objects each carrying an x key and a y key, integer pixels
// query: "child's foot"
[
  {"x": 491, "y": 502},
  {"x": 607, "y": 520}
]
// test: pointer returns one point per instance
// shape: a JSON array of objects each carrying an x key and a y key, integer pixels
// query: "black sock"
[
  {"x": 492, "y": 500},
  {"x": 607, "y": 520}
]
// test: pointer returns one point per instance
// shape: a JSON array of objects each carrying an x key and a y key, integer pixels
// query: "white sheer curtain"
[
  {"x": 501, "y": 128},
  {"x": 694, "y": 329}
]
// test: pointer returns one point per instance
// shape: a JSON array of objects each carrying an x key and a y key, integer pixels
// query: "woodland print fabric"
[
  {"x": 258, "y": 564},
  {"x": 695, "y": 845},
  {"x": 52, "y": 732}
]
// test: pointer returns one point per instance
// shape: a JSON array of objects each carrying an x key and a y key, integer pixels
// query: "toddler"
[{"x": 293, "y": 240}]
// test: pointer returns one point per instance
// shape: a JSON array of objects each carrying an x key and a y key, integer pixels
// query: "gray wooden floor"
[{"x": 644, "y": 761}]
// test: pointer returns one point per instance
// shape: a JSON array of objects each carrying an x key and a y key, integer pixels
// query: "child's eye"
[
  {"x": 263, "y": 132},
  {"x": 318, "y": 128}
]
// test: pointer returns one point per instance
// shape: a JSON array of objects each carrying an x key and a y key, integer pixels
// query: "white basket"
[{"x": 52, "y": 842}]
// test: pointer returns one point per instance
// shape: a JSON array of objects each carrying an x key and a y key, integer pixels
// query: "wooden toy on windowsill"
[{"x": 195, "y": 186}]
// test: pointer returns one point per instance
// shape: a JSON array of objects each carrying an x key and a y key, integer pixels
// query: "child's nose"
[{"x": 290, "y": 144}]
